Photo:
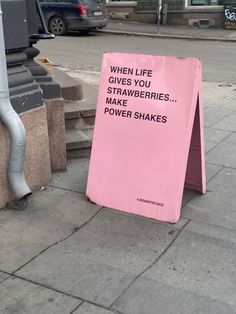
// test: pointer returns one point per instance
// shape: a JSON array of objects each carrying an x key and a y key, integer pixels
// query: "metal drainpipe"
[{"x": 15, "y": 127}]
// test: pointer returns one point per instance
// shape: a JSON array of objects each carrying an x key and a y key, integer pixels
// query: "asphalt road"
[{"x": 82, "y": 55}]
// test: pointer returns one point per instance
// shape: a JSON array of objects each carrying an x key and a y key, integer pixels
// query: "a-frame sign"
[{"x": 149, "y": 138}]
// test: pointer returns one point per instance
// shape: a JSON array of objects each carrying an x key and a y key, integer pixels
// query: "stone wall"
[
  {"x": 128, "y": 12},
  {"x": 37, "y": 159},
  {"x": 56, "y": 133},
  {"x": 186, "y": 17}
]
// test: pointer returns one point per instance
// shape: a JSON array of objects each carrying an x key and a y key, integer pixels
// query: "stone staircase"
[{"x": 80, "y": 108}]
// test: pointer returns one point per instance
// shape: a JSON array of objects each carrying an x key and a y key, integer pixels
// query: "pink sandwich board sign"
[{"x": 148, "y": 137}]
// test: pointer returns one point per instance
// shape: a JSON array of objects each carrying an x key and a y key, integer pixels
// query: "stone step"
[
  {"x": 78, "y": 143},
  {"x": 80, "y": 100},
  {"x": 79, "y": 114},
  {"x": 71, "y": 88}
]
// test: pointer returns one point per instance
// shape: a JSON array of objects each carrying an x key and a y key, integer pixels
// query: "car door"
[{"x": 61, "y": 8}]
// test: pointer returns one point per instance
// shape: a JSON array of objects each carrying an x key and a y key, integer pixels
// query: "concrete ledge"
[
  {"x": 56, "y": 133},
  {"x": 122, "y": 4},
  {"x": 122, "y": 10},
  {"x": 119, "y": 15},
  {"x": 71, "y": 89},
  {"x": 37, "y": 160},
  {"x": 205, "y": 9},
  {"x": 187, "y": 37}
]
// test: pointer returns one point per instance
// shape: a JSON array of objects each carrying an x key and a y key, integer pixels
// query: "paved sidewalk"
[
  {"x": 63, "y": 254},
  {"x": 169, "y": 31}
]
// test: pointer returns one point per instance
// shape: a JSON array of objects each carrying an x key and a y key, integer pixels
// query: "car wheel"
[{"x": 57, "y": 26}]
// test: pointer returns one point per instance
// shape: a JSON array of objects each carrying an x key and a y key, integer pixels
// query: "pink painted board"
[{"x": 149, "y": 111}]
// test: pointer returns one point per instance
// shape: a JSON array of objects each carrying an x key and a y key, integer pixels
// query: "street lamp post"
[
  {"x": 25, "y": 93},
  {"x": 159, "y": 6},
  {"x": 27, "y": 78},
  {"x": 50, "y": 88}
]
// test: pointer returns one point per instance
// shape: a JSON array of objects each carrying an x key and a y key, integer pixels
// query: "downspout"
[{"x": 15, "y": 127}]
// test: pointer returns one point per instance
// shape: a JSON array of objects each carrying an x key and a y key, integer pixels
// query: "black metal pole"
[{"x": 158, "y": 15}]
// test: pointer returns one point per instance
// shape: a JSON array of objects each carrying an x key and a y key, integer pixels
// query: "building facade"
[{"x": 196, "y": 13}]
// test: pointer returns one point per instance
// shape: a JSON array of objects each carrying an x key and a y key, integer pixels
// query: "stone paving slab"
[
  {"x": 219, "y": 95},
  {"x": 213, "y": 137},
  {"x": 228, "y": 123},
  {"x": 224, "y": 153},
  {"x": 127, "y": 242},
  {"x": 22, "y": 297},
  {"x": 214, "y": 93},
  {"x": 217, "y": 206},
  {"x": 102, "y": 258},
  {"x": 211, "y": 172},
  {"x": 187, "y": 196},
  {"x": 229, "y": 96},
  {"x": 50, "y": 216},
  {"x": 214, "y": 114},
  {"x": 201, "y": 261},
  {"x": 75, "y": 178},
  {"x": 87, "y": 308},
  {"x": 219, "y": 99},
  {"x": 63, "y": 269},
  {"x": 3, "y": 276},
  {"x": 147, "y": 296}
]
